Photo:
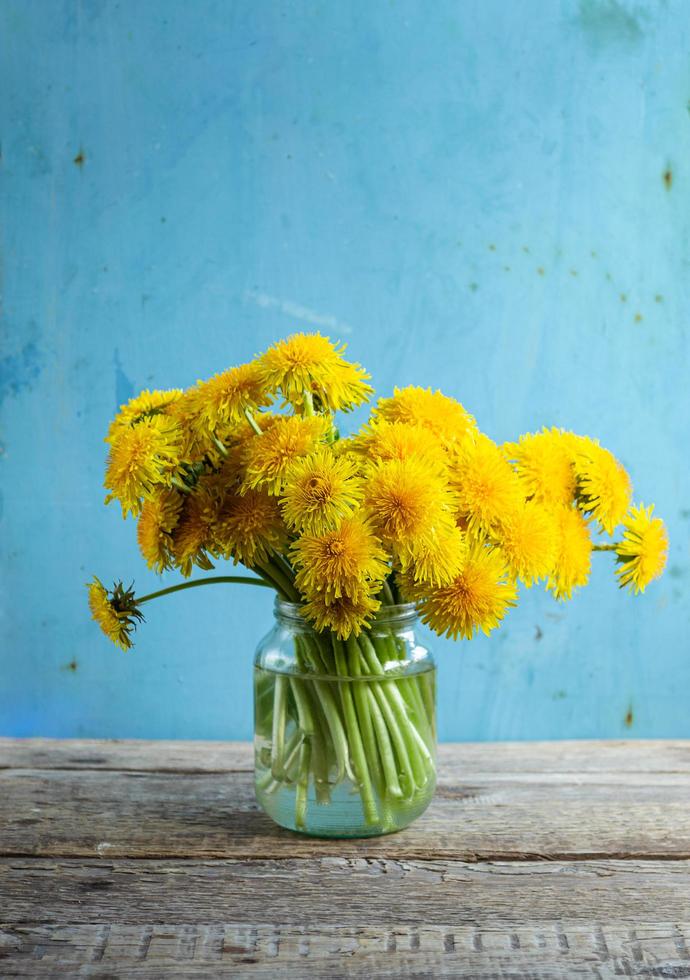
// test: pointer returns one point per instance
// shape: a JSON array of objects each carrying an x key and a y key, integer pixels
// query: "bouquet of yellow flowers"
[{"x": 417, "y": 507}]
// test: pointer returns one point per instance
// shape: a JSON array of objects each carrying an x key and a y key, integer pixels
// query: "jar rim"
[{"x": 387, "y": 615}]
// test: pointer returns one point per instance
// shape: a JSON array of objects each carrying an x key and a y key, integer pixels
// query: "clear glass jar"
[{"x": 345, "y": 730}]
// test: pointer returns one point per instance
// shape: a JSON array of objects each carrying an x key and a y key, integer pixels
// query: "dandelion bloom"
[
  {"x": 320, "y": 490},
  {"x": 221, "y": 401},
  {"x": 249, "y": 527},
  {"x": 193, "y": 536},
  {"x": 144, "y": 404},
  {"x": 435, "y": 558},
  {"x": 382, "y": 440},
  {"x": 486, "y": 485},
  {"x": 528, "y": 538},
  {"x": 477, "y": 598},
  {"x": 142, "y": 457},
  {"x": 346, "y": 615},
  {"x": 444, "y": 416},
  {"x": 574, "y": 553},
  {"x": 340, "y": 561},
  {"x": 641, "y": 555},
  {"x": 117, "y": 616},
  {"x": 159, "y": 516},
  {"x": 406, "y": 501},
  {"x": 311, "y": 365},
  {"x": 544, "y": 465},
  {"x": 603, "y": 485},
  {"x": 268, "y": 457}
]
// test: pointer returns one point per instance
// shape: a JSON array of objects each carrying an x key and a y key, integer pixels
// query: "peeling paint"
[{"x": 605, "y": 22}]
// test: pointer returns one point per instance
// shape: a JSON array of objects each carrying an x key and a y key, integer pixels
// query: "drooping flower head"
[
  {"x": 574, "y": 553},
  {"x": 341, "y": 562},
  {"x": 115, "y": 612},
  {"x": 544, "y": 465},
  {"x": 142, "y": 457},
  {"x": 486, "y": 485},
  {"x": 603, "y": 485},
  {"x": 443, "y": 416},
  {"x": 311, "y": 364},
  {"x": 320, "y": 490},
  {"x": 267, "y": 458},
  {"x": 476, "y": 599},
  {"x": 641, "y": 555},
  {"x": 158, "y": 518},
  {"x": 528, "y": 537}
]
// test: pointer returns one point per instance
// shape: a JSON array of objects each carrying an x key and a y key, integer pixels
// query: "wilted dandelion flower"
[
  {"x": 116, "y": 612},
  {"x": 574, "y": 553},
  {"x": 641, "y": 555},
  {"x": 311, "y": 364}
]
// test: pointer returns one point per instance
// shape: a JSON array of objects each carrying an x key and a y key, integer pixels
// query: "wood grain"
[{"x": 152, "y": 860}]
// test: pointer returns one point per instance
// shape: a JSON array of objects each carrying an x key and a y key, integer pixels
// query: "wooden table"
[{"x": 152, "y": 859}]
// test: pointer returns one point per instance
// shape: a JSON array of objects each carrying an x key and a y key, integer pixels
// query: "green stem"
[
  {"x": 216, "y": 579},
  {"x": 252, "y": 421},
  {"x": 282, "y": 582},
  {"x": 359, "y": 758},
  {"x": 362, "y": 705},
  {"x": 302, "y": 785},
  {"x": 604, "y": 547},
  {"x": 308, "y": 404},
  {"x": 387, "y": 593},
  {"x": 278, "y": 732}
]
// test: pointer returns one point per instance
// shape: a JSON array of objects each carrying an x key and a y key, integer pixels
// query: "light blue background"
[{"x": 486, "y": 196}]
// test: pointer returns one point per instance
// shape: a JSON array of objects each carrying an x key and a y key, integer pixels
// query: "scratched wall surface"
[{"x": 484, "y": 196}]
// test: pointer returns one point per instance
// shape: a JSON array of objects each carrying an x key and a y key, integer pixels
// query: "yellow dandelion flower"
[
  {"x": 486, "y": 485},
  {"x": 311, "y": 364},
  {"x": 641, "y": 555},
  {"x": 544, "y": 465},
  {"x": 219, "y": 403},
  {"x": 116, "y": 612},
  {"x": 320, "y": 490},
  {"x": 381, "y": 440},
  {"x": 267, "y": 458},
  {"x": 574, "y": 553},
  {"x": 603, "y": 485},
  {"x": 528, "y": 537},
  {"x": 248, "y": 527},
  {"x": 141, "y": 457},
  {"x": 339, "y": 562},
  {"x": 158, "y": 517},
  {"x": 144, "y": 404},
  {"x": 346, "y": 615},
  {"x": 445, "y": 417},
  {"x": 406, "y": 501},
  {"x": 436, "y": 558},
  {"x": 477, "y": 598},
  {"x": 194, "y": 533}
]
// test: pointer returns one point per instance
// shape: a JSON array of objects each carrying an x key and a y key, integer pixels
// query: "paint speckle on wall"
[
  {"x": 667, "y": 178},
  {"x": 629, "y": 719},
  {"x": 124, "y": 388},
  {"x": 80, "y": 159},
  {"x": 19, "y": 371}
]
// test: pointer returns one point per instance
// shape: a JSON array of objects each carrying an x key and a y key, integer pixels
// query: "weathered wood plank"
[
  {"x": 126, "y": 814},
  {"x": 550, "y": 949},
  {"x": 462, "y": 758},
  {"x": 335, "y": 891}
]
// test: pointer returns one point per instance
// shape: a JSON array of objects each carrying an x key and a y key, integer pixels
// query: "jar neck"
[{"x": 398, "y": 617}]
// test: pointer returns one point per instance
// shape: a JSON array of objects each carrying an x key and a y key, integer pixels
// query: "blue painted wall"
[{"x": 484, "y": 196}]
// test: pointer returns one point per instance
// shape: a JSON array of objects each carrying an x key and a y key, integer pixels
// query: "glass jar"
[{"x": 345, "y": 730}]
